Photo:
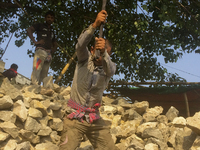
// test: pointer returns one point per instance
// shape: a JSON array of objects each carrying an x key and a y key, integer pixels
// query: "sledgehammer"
[{"x": 97, "y": 52}]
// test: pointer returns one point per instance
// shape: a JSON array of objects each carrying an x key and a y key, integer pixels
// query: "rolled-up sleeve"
[{"x": 83, "y": 41}]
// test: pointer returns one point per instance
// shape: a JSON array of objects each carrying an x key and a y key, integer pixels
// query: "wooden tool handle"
[{"x": 97, "y": 52}]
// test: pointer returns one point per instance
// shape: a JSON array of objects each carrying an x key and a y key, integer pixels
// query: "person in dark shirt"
[
  {"x": 12, "y": 72},
  {"x": 45, "y": 47}
]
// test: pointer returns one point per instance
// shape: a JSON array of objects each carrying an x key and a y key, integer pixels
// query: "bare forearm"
[{"x": 30, "y": 34}]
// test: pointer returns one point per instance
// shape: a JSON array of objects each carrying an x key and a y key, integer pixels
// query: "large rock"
[
  {"x": 141, "y": 107},
  {"x": 56, "y": 124},
  {"x": 32, "y": 125},
  {"x": 32, "y": 88},
  {"x": 55, "y": 106},
  {"x": 116, "y": 121},
  {"x": 108, "y": 101},
  {"x": 10, "y": 90},
  {"x": 35, "y": 113},
  {"x": 20, "y": 110},
  {"x": 172, "y": 113},
  {"x": 151, "y": 113},
  {"x": 108, "y": 109},
  {"x": 6, "y": 102},
  {"x": 121, "y": 101},
  {"x": 162, "y": 145},
  {"x": 7, "y": 116},
  {"x": 142, "y": 127},
  {"x": 30, "y": 136},
  {"x": 25, "y": 146},
  {"x": 56, "y": 88},
  {"x": 196, "y": 144},
  {"x": 11, "y": 145},
  {"x": 134, "y": 142},
  {"x": 66, "y": 91},
  {"x": 48, "y": 82},
  {"x": 179, "y": 122},
  {"x": 55, "y": 138},
  {"x": 3, "y": 136},
  {"x": 185, "y": 139},
  {"x": 44, "y": 131},
  {"x": 152, "y": 132},
  {"x": 40, "y": 106},
  {"x": 9, "y": 128},
  {"x": 46, "y": 146},
  {"x": 47, "y": 91},
  {"x": 33, "y": 96},
  {"x": 194, "y": 123},
  {"x": 151, "y": 146}
]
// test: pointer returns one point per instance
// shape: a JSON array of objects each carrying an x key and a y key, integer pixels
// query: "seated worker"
[{"x": 12, "y": 72}]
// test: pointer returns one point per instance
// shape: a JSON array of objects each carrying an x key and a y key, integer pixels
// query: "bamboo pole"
[
  {"x": 65, "y": 51},
  {"x": 187, "y": 105},
  {"x": 65, "y": 68}
]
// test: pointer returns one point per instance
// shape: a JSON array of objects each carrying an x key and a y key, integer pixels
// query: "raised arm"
[
  {"x": 85, "y": 37},
  {"x": 83, "y": 41}
]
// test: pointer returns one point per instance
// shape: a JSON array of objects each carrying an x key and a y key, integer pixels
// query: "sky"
[{"x": 187, "y": 67}]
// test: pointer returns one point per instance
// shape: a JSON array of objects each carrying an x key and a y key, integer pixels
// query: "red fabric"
[
  {"x": 49, "y": 57},
  {"x": 38, "y": 63},
  {"x": 13, "y": 70},
  {"x": 80, "y": 111}
]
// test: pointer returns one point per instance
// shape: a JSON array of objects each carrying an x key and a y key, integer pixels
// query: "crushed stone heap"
[{"x": 31, "y": 119}]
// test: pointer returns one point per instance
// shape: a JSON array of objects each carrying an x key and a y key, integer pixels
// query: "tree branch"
[{"x": 4, "y": 5}]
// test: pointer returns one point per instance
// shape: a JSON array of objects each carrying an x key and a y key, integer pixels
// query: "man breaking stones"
[{"x": 91, "y": 77}]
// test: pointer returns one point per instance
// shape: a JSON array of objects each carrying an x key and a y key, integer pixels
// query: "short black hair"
[
  {"x": 50, "y": 13},
  {"x": 14, "y": 66}
]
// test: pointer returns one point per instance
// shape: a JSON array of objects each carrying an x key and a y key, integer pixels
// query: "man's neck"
[{"x": 48, "y": 25}]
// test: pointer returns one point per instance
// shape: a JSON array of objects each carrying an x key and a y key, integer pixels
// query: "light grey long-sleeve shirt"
[{"x": 89, "y": 80}]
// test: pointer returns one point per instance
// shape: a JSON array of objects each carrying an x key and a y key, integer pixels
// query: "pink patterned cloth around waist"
[{"x": 81, "y": 110}]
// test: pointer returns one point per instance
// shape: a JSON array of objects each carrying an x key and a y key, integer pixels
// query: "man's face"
[{"x": 49, "y": 19}]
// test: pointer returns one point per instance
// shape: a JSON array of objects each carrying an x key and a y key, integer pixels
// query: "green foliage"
[{"x": 140, "y": 30}]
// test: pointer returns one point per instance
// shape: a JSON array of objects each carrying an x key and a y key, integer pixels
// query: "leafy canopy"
[{"x": 140, "y": 30}]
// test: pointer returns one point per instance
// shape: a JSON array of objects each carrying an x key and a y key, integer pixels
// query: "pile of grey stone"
[{"x": 31, "y": 119}]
